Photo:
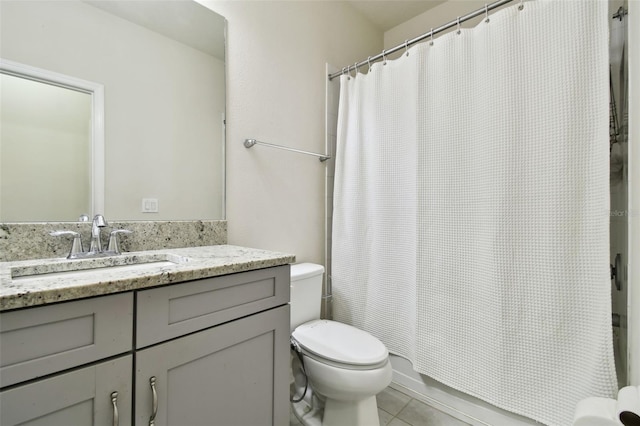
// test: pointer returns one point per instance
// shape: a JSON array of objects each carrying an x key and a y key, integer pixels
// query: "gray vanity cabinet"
[
  {"x": 230, "y": 367},
  {"x": 211, "y": 351}
]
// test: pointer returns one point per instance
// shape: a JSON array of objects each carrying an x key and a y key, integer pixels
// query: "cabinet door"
[
  {"x": 233, "y": 374},
  {"x": 81, "y": 397}
]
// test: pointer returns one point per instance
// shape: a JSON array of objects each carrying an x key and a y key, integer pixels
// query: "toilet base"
[
  {"x": 336, "y": 396},
  {"x": 309, "y": 411},
  {"x": 353, "y": 413},
  {"x": 312, "y": 411},
  {"x": 317, "y": 410}
]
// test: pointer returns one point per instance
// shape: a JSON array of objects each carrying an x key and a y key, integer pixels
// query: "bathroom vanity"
[{"x": 202, "y": 340}]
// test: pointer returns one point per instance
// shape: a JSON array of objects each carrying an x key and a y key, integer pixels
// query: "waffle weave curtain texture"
[{"x": 471, "y": 227}]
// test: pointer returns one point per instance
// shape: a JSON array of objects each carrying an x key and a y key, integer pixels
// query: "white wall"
[
  {"x": 160, "y": 130},
  {"x": 432, "y": 18},
  {"x": 445, "y": 13},
  {"x": 277, "y": 52}
]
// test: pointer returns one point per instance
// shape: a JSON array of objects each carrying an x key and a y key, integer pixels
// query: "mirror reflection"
[
  {"x": 162, "y": 67},
  {"x": 45, "y": 150}
]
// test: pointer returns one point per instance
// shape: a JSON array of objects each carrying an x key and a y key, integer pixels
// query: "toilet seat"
[{"x": 340, "y": 345}]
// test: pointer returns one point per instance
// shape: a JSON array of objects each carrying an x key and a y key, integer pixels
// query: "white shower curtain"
[{"x": 470, "y": 227}]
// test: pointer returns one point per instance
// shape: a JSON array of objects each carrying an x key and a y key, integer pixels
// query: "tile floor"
[{"x": 397, "y": 409}]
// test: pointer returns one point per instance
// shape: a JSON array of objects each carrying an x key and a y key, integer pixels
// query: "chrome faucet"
[
  {"x": 96, "y": 243},
  {"x": 96, "y": 249}
]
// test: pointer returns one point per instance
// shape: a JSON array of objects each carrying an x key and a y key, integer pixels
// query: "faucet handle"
[
  {"x": 113, "y": 240},
  {"x": 76, "y": 245}
]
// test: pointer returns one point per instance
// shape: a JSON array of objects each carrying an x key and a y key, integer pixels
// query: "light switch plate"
[{"x": 149, "y": 205}]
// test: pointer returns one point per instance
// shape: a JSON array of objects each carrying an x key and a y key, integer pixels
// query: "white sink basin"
[{"x": 122, "y": 262}]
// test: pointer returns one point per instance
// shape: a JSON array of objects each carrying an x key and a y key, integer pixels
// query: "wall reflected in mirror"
[
  {"x": 162, "y": 67},
  {"x": 45, "y": 150}
]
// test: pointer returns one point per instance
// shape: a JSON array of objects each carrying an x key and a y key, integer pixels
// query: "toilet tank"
[{"x": 306, "y": 293}]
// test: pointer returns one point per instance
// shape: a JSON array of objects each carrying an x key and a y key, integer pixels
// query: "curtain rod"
[{"x": 407, "y": 43}]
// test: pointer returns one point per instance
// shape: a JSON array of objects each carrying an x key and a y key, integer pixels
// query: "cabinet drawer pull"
[
  {"x": 114, "y": 401},
  {"x": 154, "y": 408}
]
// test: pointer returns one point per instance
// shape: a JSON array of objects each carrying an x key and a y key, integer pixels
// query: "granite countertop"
[{"x": 175, "y": 265}]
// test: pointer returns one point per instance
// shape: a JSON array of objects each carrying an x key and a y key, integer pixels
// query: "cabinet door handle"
[
  {"x": 154, "y": 407},
  {"x": 114, "y": 401}
]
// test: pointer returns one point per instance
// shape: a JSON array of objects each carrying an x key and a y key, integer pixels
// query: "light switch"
[{"x": 149, "y": 205}]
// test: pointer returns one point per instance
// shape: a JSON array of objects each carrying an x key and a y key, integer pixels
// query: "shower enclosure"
[{"x": 619, "y": 184}]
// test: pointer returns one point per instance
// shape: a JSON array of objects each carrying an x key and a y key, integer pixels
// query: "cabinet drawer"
[
  {"x": 172, "y": 311},
  {"x": 39, "y": 341}
]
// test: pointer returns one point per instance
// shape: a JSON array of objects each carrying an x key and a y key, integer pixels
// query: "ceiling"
[{"x": 386, "y": 14}]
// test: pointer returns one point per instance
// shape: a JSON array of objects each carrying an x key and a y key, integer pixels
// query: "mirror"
[{"x": 161, "y": 64}]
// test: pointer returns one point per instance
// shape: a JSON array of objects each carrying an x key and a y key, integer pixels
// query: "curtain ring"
[
  {"x": 458, "y": 32},
  {"x": 521, "y": 5},
  {"x": 406, "y": 47},
  {"x": 384, "y": 57},
  {"x": 355, "y": 69},
  {"x": 345, "y": 71},
  {"x": 431, "y": 43},
  {"x": 486, "y": 13},
  {"x": 369, "y": 62}
]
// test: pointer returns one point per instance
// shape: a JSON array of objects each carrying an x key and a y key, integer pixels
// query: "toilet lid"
[{"x": 340, "y": 343}]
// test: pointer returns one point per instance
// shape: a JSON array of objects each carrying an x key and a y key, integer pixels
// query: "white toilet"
[{"x": 346, "y": 367}]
